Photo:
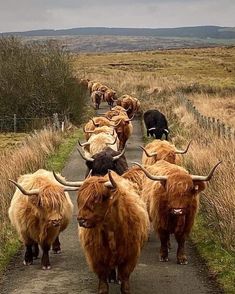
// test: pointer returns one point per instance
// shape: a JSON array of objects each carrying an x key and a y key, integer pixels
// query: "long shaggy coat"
[
  {"x": 32, "y": 215},
  {"x": 119, "y": 232}
]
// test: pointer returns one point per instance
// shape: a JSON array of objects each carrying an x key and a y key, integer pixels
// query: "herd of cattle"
[{"x": 116, "y": 204}]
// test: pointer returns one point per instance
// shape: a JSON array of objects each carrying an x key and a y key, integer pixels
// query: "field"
[{"x": 207, "y": 77}]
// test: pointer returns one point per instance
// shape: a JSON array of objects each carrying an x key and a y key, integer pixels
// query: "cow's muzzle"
[
  {"x": 177, "y": 211},
  {"x": 85, "y": 223}
]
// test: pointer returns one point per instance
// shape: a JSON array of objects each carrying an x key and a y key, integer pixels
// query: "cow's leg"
[
  {"x": 35, "y": 250},
  {"x": 45, "y": 257},
  {"x": 103, "y": 287},
  {"x": 112, "y": 278},
  {"x": 181, "y": 256},
  {"x": 123, "y": 275},
  {"x": 169, "y": 243},
  {"x": 28, "y": 257},
  {"x": 56, "y": 246},
  {"x": 164, "y": 237}
]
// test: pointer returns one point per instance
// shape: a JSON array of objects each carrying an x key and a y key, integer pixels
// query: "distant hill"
[{"x": 202, "y": 32}]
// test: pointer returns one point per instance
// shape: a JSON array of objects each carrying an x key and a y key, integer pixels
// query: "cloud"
[{"x": 21, "y": 15}]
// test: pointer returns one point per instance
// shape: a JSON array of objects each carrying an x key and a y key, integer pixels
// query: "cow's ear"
[
  {"x": 163, "y": 184},
  {"x": 198, "y": 186}
]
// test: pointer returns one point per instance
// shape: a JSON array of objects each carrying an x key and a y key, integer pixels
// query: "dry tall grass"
[
  {"x": 218, "y": 201},
  {"x": 28, "y": 157}
]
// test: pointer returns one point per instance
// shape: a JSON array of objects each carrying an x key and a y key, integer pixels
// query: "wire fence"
[
  {"x": 28, "y": 124},
  {"x": 209, "y": 123}
]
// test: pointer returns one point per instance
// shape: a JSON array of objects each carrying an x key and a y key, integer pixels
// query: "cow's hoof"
[
  {"x": 46, "y": 267},
  {"x": 163, "y": 259},
  {"x": 182, "y": 261},
  {"x": 57, "y": 251},
  {"x": 27, "y": 262}
]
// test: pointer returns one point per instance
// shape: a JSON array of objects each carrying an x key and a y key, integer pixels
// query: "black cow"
[
  {"x": 156, "y": 124},
  {"x": 101, "y": 162}
]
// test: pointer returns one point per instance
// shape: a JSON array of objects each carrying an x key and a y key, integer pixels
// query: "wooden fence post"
[
  {"x": 56, "y": 123},
  {"x": 15, "y": 125}
]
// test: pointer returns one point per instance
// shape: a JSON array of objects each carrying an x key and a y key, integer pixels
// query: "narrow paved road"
[{"x": 70, "y": 274}]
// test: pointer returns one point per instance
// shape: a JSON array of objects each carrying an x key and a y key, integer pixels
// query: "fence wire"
[
  {"x": 28, "y": 124},
  {"x": 209, "y": 123}
]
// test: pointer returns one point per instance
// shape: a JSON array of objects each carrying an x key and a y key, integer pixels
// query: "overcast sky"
[{"x": 21, "y": 15}]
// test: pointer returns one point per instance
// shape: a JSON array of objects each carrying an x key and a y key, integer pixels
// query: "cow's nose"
[{"x": 81, "y": 221}]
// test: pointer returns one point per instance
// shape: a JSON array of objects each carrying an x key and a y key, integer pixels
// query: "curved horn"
[
  {"x": 129, "y": 119},
  {"x": 88, "y": 132},
  {"x": 28, "y": 193},
  {"x": 208, "y": 177},
  {"x": 126, "y": 110},
  {"x": 118, "y": 156},
  {"x": 111, "y": 183},
  {"x": 113, "y": 142},
  {"x": 83, "y": 144},
  {"x": 148, "y": 154},
  {"x": 152, "y": 177},
  {"x": 66, "y": 183},
  {"x": 166, "y": 131},
  {"x": 94, "y": 123},
  {"x": 84, "y": 157},
  {"x": 110, "y": 119},
  {"x": 177, "y": 151}
]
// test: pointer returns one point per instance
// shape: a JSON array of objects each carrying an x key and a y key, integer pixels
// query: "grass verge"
[
  {"x": 220, "y": 262},
  {"x": 55, "y": 161}
]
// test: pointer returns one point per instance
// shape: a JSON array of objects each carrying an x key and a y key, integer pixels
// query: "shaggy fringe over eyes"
[
  {"x": 92, "y": 191},
  {"x": 52, "y": 197}
]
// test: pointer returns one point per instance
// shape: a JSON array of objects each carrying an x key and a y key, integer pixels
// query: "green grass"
[
  {"x": 57, "y": 160},
  {"x": 54, "y": 162},
  {"x": 221, "y": 263}
]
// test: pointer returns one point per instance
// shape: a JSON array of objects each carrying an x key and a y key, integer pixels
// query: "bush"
[{"x": 36, "y": 80}]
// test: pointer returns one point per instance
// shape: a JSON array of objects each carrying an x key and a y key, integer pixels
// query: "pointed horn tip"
[{"x": 12, "y": 181}]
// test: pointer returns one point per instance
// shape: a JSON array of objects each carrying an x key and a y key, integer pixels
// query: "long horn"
[
  {"x": 84, "y": 157},
  {"x": 177, "y": 151},
  {"x": 66, "y": 183},
  {"x": 111, "y": 183},
  {"x": 88, "y": 132},
  {"x": 126, "y": 110},
  {"x": 208, "y": 177},
  {"x": 94, "y": 123},
  {"x": 129, "y": 119},
  {"x": 70, "y": 189},
  {"x": 113, "y": 142},
  {"x": 148, "y": 154},
  {"x": 28, "y": 193},
  {"x": 83, "y": 144},
  {"x": 152, "y": 177},
  {"x": 118, "y": 156}
]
